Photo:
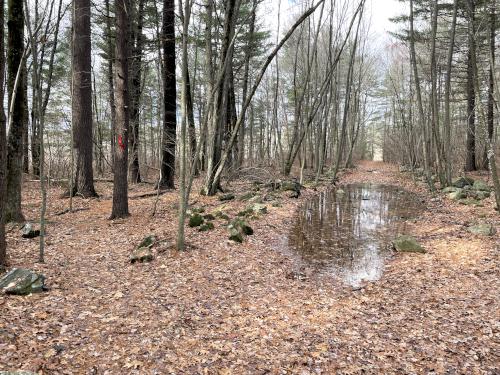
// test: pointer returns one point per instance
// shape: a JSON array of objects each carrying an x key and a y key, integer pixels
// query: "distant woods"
[{"x": 441, "y": 93}]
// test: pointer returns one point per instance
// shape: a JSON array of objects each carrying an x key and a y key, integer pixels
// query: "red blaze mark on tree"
[{"x": 120, "y": 142}]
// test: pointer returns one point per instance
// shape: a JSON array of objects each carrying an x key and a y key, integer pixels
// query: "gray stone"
[
  {"x": 482, "y": 229},
  {"x": 242, "y": 225},
  {"x": 20, "y": 281},
  {"x": 148, "y": 241},
  {"x": 480, "y": 194},
  {"x": 245, "y": 197},
  {"x": 461, "y": 182},
  {"x": 480, "y": 186},
  {"x": 206, "y": 227},
  {"x": 226, "y": 197},
  {"x": 457, "y": 195},
  {"x": 17, "y": 372},
  {"x": 141, "y": 255},
  {"x": 407, "y": 244},
  {"x": 258, "y": 208},
  {"x": 28, "y": 231},
  {"x": 235, "y": 235},
  {"x": 450, "y": 189}
]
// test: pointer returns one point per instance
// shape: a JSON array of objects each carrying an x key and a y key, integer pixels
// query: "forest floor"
[{"x": 225, "y": 308}]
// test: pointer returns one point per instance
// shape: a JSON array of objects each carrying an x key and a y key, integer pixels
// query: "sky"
[{"x": 378, "y": 11}]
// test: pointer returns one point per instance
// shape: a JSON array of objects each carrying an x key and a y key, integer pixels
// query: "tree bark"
[
  {"x": 109, "y": 72},
  {"x": 447, "y": 94},
  {"x": 135, "y": 174},
  {"x": 3, "y": 144},
  {"x": 470, "y": 161},
  {"x": 82, "y": 101},
  {"x": 15, "y": 60},
  {"x": 122, "y": 105},
  {"x": 170, "y": 97}
]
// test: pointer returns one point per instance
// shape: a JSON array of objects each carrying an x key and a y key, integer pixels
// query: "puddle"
[{"x": 348, "y": 234}]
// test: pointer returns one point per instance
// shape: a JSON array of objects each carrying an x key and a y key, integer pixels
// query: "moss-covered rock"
[
  {"x": 471, "y": 201},
  {"x": 461, "y": 182},
  {"x": 141, "y": 255},
  {"x": 235, "y": 235},
  {"x": 206, "y": 227},
  {"x": 450, "y": 189},
  {"x": 482, "y": 229},
  {"x": 226, "y": 197},
  {"x": 457, "y": 195},
  {"x": 148, "y": 241},
  {"x": 407, "y": 244},
  {"x": 258, "y": 208},
  {"x": 195, "y": 220},
  {"x": 209, "y": 217},
  {"x": 242, "y": 225},
  {"x": 28, "y": 231},
  {"x": 246, "y": 196},
  {"x": 238, "y": 229},
  {"x": 20, "y": 281},
  {"x": 480, "y": 194},
  {"x": 480, "y": 185}
]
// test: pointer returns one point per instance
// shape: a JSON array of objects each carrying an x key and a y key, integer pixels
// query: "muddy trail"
[{"x": 255, "y": 307}]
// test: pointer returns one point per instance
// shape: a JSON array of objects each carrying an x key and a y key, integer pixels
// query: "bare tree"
[
  {"x": 169, "y": 96},
  {"x": 122, "y": 104},
  {"x": 17, "y": 106},
  {"x": 3, "y": 143},
  {"x": 82, "y": 100}
]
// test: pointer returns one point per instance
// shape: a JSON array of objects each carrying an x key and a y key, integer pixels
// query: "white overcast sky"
[{"x": 378, "y": 11}]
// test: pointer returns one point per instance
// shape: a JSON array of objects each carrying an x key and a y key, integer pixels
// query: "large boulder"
[
  {"x": 293, "y": 186},
  {"x": 462, "y": 182},
  {"x": 20, "y": 281},
  {"x": 482, "y": 229},
  {"x": 407, "y": 244},
  {"x": 480, "y": 185}
]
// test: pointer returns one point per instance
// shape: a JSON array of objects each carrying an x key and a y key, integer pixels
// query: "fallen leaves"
[{"x": 221, "y": 308}]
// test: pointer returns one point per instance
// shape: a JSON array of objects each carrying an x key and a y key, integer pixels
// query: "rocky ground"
[{"x": 223, "y": 307}]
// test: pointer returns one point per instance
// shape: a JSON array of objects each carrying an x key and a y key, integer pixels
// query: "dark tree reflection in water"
[{"x": 348, "y": 233}]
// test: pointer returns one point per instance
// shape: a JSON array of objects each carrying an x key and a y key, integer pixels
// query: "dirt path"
[{"x": 226, "y": 308}]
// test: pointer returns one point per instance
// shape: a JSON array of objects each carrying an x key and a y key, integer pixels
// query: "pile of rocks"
[{"x": 467, "y": 191}]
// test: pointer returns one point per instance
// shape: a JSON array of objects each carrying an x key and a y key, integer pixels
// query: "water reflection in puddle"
[{"x": 347, "y": 232}]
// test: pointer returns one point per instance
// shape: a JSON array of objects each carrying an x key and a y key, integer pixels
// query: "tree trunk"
[
  {"x": 135, "y": 174},
  {"x": 219, "y": 112},
  {"x": 447, "y": 94},
  {"x": 470, "y": 161},
  {"x": 122, "y": 105},
  {"x": 109, "y": 73},
  {"x": 246, "y": 73},
  {"x": 170, "y": 97},
  {"x": 491, "y": 85},
  {"x": 3, "y": 144},
  {"x": 191, "y": 125},
  {"x": 15, "y": 60},
  {"x": 421, "y": 116},
  {"x": 82, "y": 101}
]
